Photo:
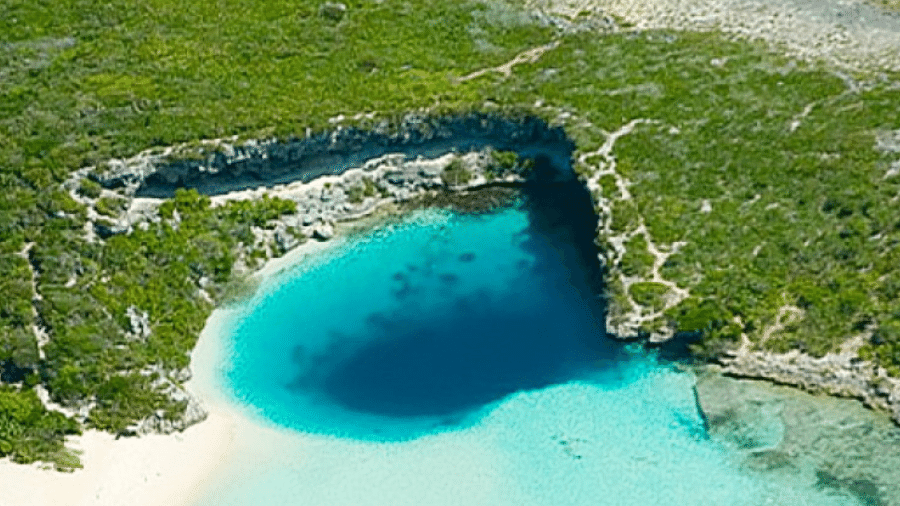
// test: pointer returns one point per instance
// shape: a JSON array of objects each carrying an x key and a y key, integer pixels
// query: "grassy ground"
[
  {"x": 892, "y": 5},
  {"x": 799, "y": 210}
]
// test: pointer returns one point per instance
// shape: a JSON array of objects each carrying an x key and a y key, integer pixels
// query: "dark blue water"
[
  {"x": 450, "y": 360},
  {"x": 472, "y": 342},
  {"x": 432, "y": 318}
]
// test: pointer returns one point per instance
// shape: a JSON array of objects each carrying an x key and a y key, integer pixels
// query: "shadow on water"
[
  {"x": 547, "y": 327},
  {"x": 562, "y": 217}
]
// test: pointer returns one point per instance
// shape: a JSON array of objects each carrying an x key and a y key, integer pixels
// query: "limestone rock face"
[
  {"x": 333, "y": 11},
  {"x": 323, "y": 232},
  {"x": 126, "y": 173},
  {"x": 284, "y": 239},
  {"x": 227, "y": 167},
  {"x": 108, "y": 229},
  {"x": 139, "y": 322},
  {"x": 843, "y": 375},
  {"x": 158, "y": 424}
]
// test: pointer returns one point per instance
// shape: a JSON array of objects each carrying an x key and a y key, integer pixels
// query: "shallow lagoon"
[{"x": 460, "y": 359}]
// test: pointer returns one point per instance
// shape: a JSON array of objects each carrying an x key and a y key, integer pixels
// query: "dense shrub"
[
  {"x": 456, "y": 173},
  {"x": 801, "y": 216},
  {"x": 29, "y": 432}
]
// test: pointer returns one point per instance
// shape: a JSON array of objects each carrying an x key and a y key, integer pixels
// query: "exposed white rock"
[
  {"x": 323, "y": 231},
  {"x": 158, "y": 423},
  {"x": 841, "y": 374},
  {"x": 285, "y": 239},
  {"x": 848, "y": 34},
  {"x": 139, "y": 322}
]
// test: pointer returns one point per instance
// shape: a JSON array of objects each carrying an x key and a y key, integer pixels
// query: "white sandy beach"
[
  {"x": 153, "y": 470},
  {"x": 554, "y": 446},
  {"x": 174, "y": 470}
]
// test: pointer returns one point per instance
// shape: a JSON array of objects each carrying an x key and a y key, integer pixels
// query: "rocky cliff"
[
  {"x": 219, "y": 167},
  {"x": 403, "y": 160}
]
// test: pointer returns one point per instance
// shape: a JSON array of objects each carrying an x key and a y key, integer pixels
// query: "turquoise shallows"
[{"x": 450, "y": 359}]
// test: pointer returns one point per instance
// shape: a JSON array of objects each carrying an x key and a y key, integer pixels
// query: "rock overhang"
[{"x": 224, "y": 167}]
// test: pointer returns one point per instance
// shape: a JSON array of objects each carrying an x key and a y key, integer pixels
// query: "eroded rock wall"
[{"x": 220, "y": 167}]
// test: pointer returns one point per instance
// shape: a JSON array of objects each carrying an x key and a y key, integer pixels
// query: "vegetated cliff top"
[{"x": 737, "y": 185}]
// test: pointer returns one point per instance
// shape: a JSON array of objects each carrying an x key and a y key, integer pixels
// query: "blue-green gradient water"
[{"x": 449, "y": 359}]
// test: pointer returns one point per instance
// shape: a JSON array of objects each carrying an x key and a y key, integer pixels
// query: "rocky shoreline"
[
  {"x": 473, "y": 180},
  {"x": 423, "y": 161},
  {"x": 839, "y": 374},
  {"x": 835, "y": 443},
  {"x": 337, "y": 177},
  {"x": 326, "y": 202}
]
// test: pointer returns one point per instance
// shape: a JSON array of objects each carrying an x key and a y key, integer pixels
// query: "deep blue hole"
[
  {"x": 473, "y": 355},
  {"x": 546, "y": 327}
]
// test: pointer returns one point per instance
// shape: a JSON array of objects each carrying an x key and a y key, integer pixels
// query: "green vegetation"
[
  {"x": 637, "y": 260},
  {"x": 891, "y": 5},
  {"x": 109, "y": 206},
  {"x": 884, "y": 346},
  {"x": 87, "y": 290},
  {"x": 456, "y": 173},
  {"x": 357, "y": 194},
  {"x": 88, "y": 188},
  {"x": 28, "y": 432},
  {"x": 508, "y": 162},
  {"x": 160, "y": 270},
  {"x": 799, "y": 209},
  {"x": 649, "y": 293},
  {"x": 625, "y": 217}
]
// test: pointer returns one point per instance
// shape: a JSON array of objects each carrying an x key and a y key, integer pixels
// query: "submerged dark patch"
[
  {"x": 476, "y": 354},
  {"x": 863, "y": 489},
  {"x": 481, "y": 347}
]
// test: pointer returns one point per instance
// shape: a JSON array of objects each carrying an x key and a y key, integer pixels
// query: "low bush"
[
  {"x": 28, "y": 432},
  {"x": 88, "y": 188},
  {"x": 649, "y": 294},
  {"x": 456, "y": 173},
  {"x": 109, "y": 206}
]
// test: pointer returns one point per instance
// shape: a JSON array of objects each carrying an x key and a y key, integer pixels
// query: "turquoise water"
[{"x": 461, "y": 359}]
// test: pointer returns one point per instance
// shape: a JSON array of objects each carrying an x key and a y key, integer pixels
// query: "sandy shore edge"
[
  {"x": 172, "y": 470},
  {"x": 155, "y": 470}
]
